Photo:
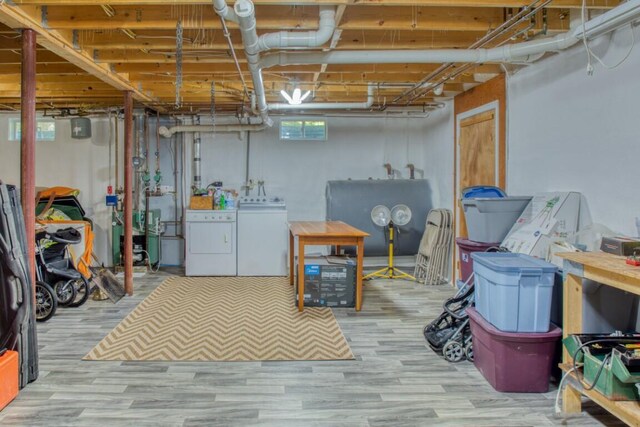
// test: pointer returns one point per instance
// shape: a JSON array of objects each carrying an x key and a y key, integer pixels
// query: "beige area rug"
[{"x": 224, "y": 319}]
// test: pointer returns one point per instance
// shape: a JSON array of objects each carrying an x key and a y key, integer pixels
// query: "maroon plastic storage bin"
[
  {"x": 511, "y": 361},
  {"x": 466, "y": 247}
]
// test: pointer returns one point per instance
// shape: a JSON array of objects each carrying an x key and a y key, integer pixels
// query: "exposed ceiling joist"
[
  {"x": 61, "y": 44},
  {"x": 464, "y": 3}
]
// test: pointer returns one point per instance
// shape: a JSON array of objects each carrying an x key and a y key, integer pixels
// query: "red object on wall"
[{"x": 8, "y": 377}]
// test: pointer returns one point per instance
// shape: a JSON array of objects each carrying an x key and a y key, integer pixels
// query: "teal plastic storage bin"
[{"x": 513, "y": 291}]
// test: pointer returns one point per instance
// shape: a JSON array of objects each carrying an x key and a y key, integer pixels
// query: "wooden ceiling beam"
[
  {"x": 280, "y": 18},
  {"x": 212, "y": 70},
  {"x": 43, "y": 69},
  {"x": 61, "y": 44},
  {"x": 201, "y": 68},
  {"x": 599, "y": 4}
]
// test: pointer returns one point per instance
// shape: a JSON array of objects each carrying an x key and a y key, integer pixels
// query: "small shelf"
[{"x": 627, "y": 411}]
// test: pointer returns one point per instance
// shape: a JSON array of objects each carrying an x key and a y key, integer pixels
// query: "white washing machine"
[
  {"x": 262, "y": 236},
  {"x": 210, "y": 239}
]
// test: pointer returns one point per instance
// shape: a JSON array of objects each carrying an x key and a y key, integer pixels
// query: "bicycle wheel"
[
  {"x": 82, "y": 288},
  {"x": 65, "y": 291},
  {"x": 46, "y": 302}
]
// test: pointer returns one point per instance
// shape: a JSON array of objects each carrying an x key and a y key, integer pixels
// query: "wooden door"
[{"x": 477, "y": 162}]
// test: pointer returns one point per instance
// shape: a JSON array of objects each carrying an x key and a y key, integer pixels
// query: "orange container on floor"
[{"x": 8, "y": 378}]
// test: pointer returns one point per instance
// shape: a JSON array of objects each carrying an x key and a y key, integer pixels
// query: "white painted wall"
[
  {"x": 438, "y": 136},
  {"x": 569, "y": 131},
  {"x": 75, "y": 163},
  {"x": 356, "y": 148}
]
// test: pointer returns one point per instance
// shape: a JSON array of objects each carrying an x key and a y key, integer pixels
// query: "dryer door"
[{"x": 210, "y": 237}]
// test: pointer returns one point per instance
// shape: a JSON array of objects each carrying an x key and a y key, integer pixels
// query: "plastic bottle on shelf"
[
  {"x": 230, "y": 201},
  {"x": 223, "y": 204},
  {"x": 216, "y": 198}
]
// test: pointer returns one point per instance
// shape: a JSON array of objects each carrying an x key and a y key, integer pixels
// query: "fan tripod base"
[{"x": 389, "y": 273}]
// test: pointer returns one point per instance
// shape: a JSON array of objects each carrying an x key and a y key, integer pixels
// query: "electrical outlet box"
[{"x": 111, "y": 200}]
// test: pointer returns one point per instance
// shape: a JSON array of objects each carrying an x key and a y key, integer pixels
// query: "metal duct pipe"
[
  {"x": 329, "y": 105},
  {"x": 197, "y": 157},
  {"x": 168, "y": 132}
]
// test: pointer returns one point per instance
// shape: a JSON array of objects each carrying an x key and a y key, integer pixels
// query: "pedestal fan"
[{"x": 398, "y": 216}]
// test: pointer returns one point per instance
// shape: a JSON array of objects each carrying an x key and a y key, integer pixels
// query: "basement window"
[
  {"x": 303, "y": 130},
  {"x": 45, "y": 129}
]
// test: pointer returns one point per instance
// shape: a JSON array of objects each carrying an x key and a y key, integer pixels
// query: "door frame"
[{"x": 491, "y": 106}]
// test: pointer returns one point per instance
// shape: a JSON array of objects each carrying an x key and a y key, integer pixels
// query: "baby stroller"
[
  {"x": 450, "y": 333},
  {"x": 55, "y": 266}
]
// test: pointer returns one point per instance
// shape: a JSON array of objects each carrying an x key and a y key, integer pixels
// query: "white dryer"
[
  {"x": 210, "y": 241},
  {"x": 262, "y": 236}
]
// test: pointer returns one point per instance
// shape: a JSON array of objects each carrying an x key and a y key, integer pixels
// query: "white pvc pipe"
[
  {"x": 507, "y": 53},
  {"x": 221, "y": 8},
  {"x": 328, "y": 105},
  {"x": 253, "y": 45},
  {"x": 168, "y": 132},
  {"x": 521, "y": 52},
  {"x": 285, "y": 39},
  {"x": 611, "y": 20}
]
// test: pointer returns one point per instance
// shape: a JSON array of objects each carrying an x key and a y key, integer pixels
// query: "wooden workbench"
[
  {"x": 335, "y": 233},
  {"x": 610, "y": 270}
]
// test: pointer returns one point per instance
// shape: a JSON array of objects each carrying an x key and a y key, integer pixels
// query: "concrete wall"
[
  {"x": 438, "y": 147},
  {"x": 356, "y": 148},
  {"x": 81, "y": 164},
  {"x": 571, "y": 131}
]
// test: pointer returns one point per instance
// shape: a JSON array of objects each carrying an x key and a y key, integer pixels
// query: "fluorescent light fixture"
[{"x": 296, "y": 98}]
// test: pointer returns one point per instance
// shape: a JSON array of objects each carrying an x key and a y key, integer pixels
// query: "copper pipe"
[
  {"x": 128, "y": 193},
  {"x": 28, "y": 145}
]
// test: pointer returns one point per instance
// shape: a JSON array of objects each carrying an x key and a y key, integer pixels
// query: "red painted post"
[
  {"x": 128, "y": 193},
  {"x": 28, "y": 144}
]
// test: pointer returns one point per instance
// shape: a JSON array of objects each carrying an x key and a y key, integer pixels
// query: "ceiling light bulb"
[
  {"x": 438, "y": 90},
  {"x": 286, "y": 96},
  {"x": 296, "y": 97}
]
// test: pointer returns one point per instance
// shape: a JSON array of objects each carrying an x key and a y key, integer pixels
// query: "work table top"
[
  {"x": 325, "y": 229},
  {"x": 608, "y": 268}
]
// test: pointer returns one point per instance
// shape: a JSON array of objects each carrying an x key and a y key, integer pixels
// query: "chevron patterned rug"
[{"x": 224, "y": 319}]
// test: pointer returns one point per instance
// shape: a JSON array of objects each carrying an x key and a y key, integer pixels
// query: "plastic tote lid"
[
  {"x": 510, "y": 262},
  {"x": 485, "y": 191}
]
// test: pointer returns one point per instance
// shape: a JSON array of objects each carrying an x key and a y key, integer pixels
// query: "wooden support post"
[
  {"x": 28, "y": 145},
  {"x": 572, "y": 324},
  {"x": 128, "y": 193}
]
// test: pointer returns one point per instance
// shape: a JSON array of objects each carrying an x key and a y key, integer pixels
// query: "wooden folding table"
[{"x": 335, "y": 233}]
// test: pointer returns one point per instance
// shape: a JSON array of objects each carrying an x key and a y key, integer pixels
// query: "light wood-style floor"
[{"x": 396, "y": 380}]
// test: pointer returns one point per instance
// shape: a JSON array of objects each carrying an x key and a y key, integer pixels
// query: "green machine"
[{"x": 146, "y": 242}]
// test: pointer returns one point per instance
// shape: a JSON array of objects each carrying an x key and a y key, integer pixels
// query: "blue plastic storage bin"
[
  {"x": 513, "y": 291},
  {"x": 485, "y": 191}
]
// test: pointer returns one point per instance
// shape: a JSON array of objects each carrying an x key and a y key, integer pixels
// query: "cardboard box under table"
[{"x": 329, "y": 282}]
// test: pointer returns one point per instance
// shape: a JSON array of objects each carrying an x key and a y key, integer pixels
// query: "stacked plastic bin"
[
  {"x": 489, "y": 215},
  {"x": 513, "y": 339}
]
